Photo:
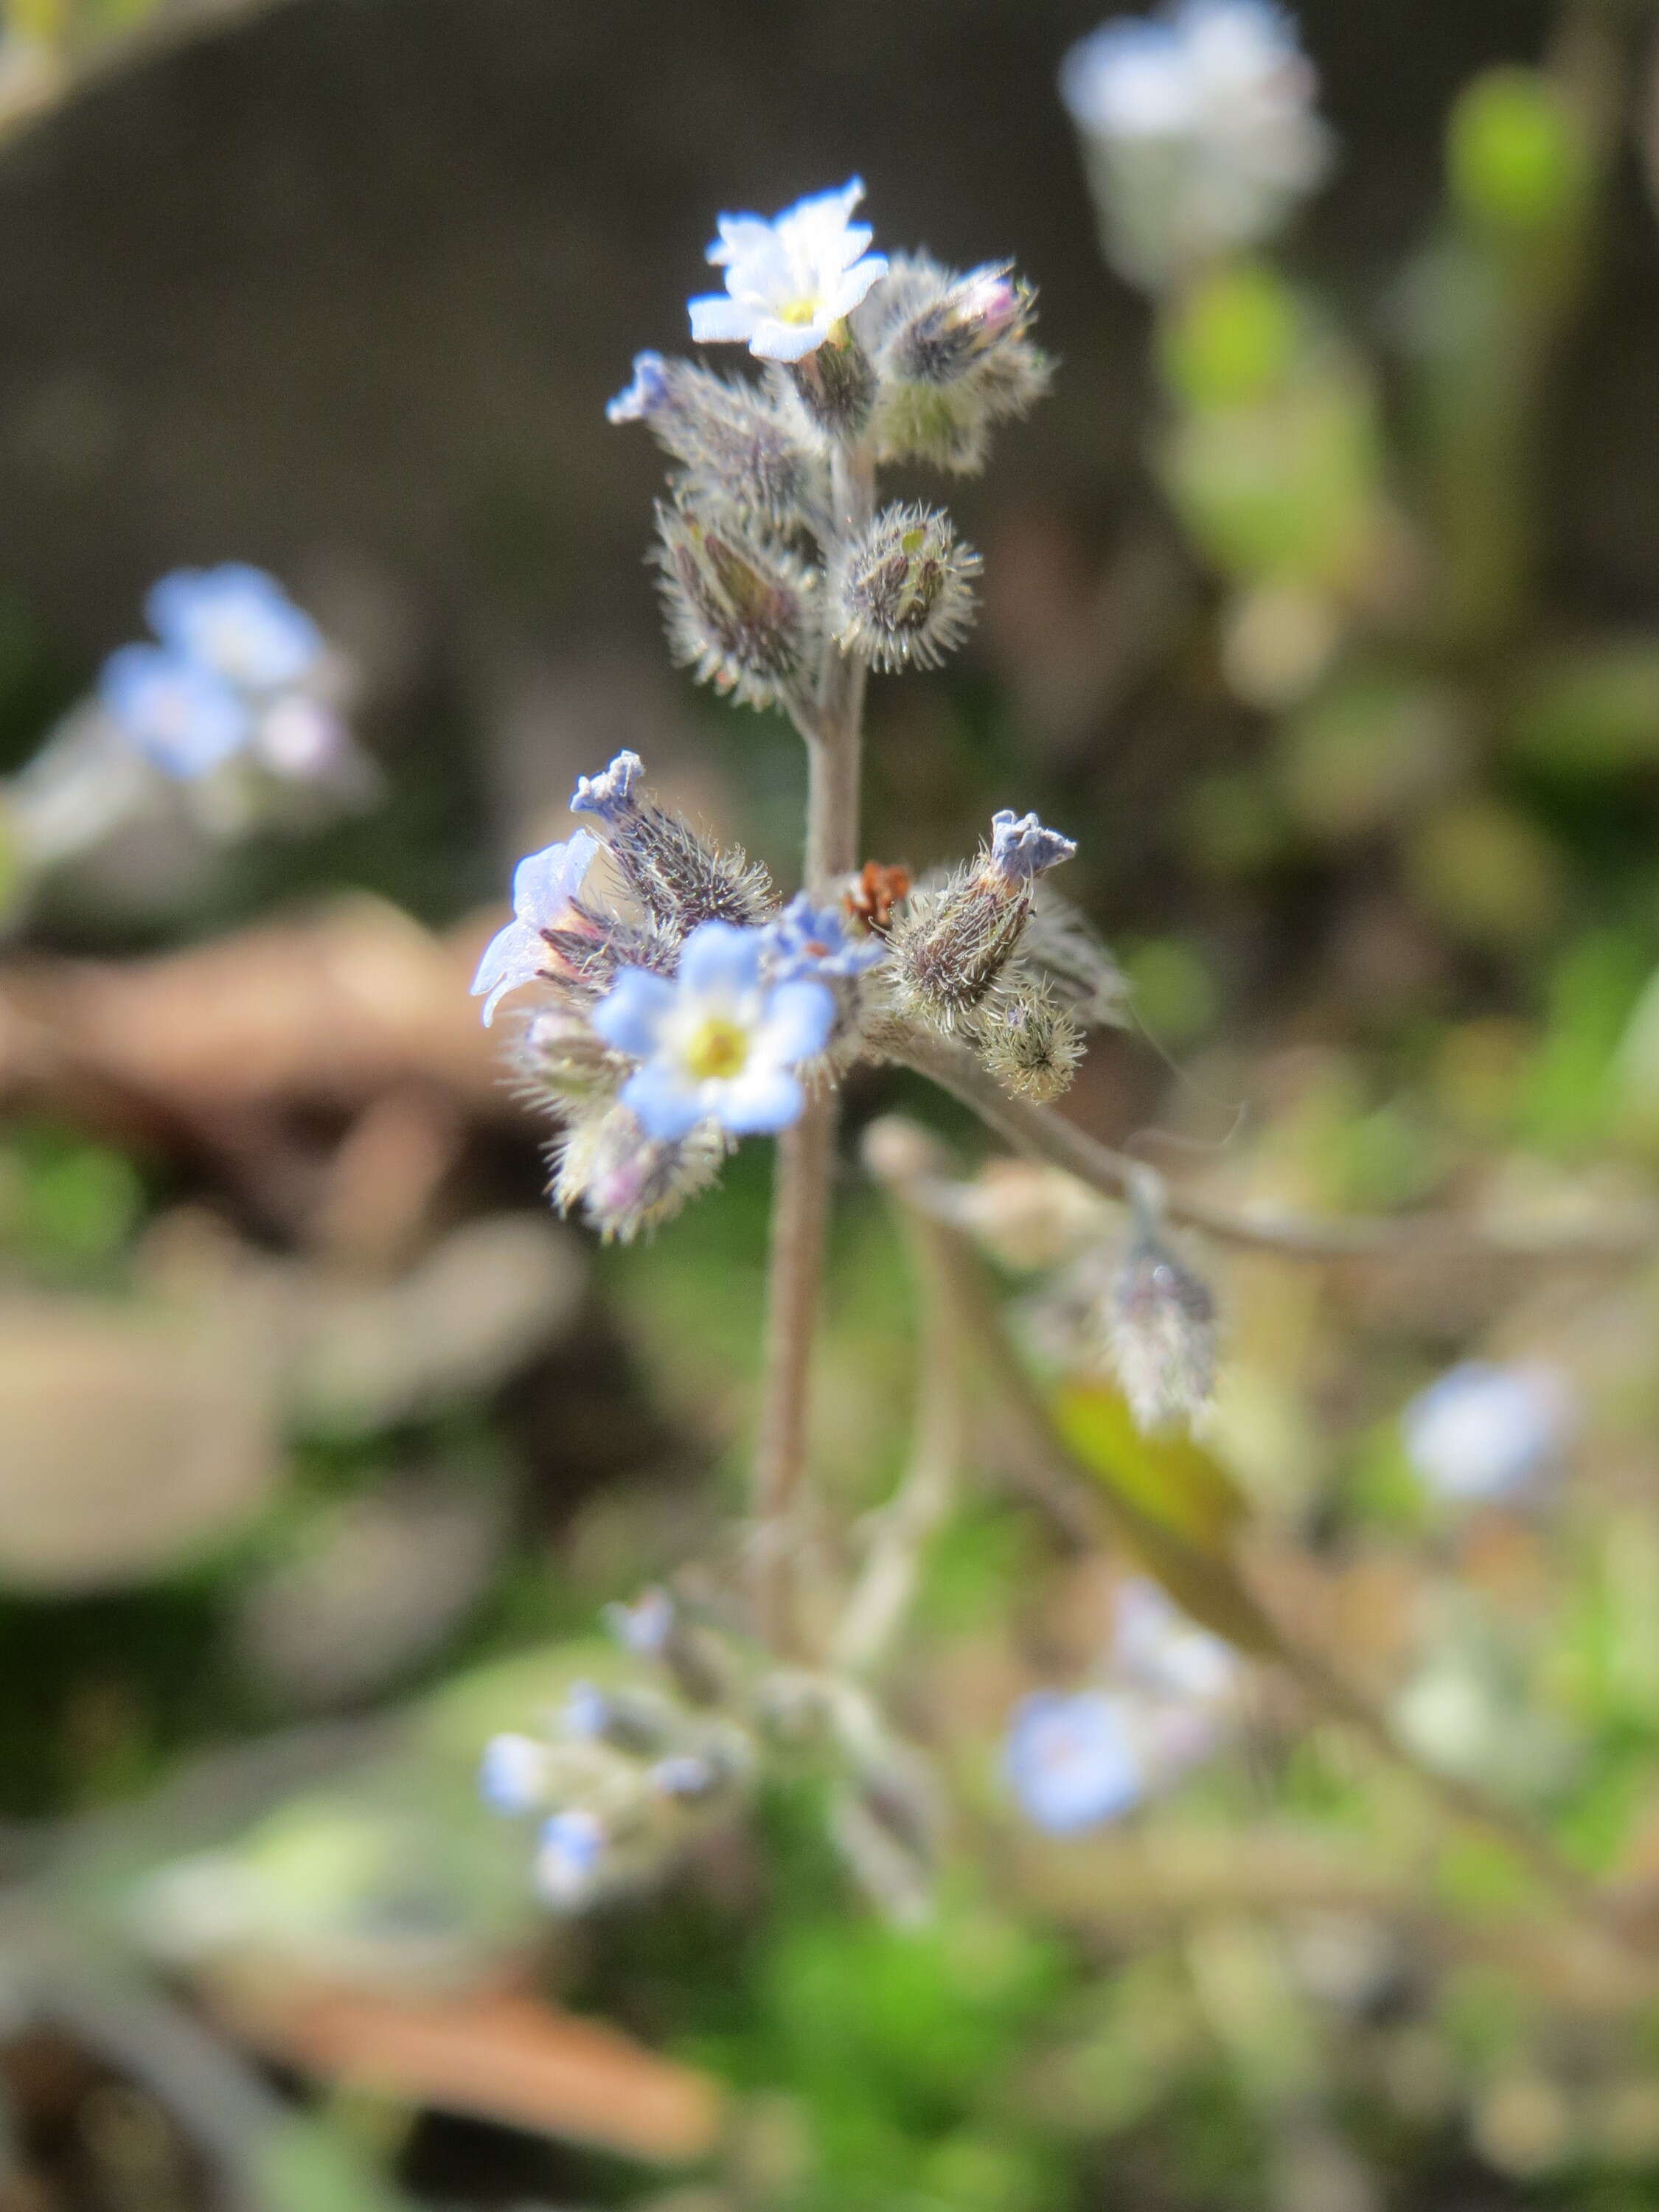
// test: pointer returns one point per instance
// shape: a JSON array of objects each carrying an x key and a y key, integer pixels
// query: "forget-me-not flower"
[
  {"x": 513, "y": 1773},
  {"x": 181, "y": 716},
  {"x": 237, "y": 621},
  {"x": 1200, "y": 123},
  {"x": 788, "y": 281},
  {"x": 542, "y": 887},
  {"x": 1486, "y": 1431},
  {"x": 1157, "y": 1646},
  {"x": 716, "y": 1043},
  {"x": 570, "y": 1856},
  {"x": 1071, "y": 1758},
  {"x": 806, "y": 941}
]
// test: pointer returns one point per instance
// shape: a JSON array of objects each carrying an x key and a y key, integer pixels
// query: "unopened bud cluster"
[
  {"x": 625, "y": 1774},
  {"x": 900, "y": 359}
]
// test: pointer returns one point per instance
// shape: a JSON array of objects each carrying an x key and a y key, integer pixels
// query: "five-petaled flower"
[
  {"x": 1071, "y": 1758},
  {"x": 715, "y": 1044},
  {"x": 542, "y": 887},
  {"x": 806, "y": 941},
  {"x": 237, "y": 621},
  {"x": 184, "y": 717},
  {"x": 788, "y": 281}
]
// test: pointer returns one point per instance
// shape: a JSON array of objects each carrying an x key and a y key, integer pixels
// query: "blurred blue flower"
[
  {"x": 513, "y": 1773},
  {"x": 237, "y": 621},
  {"x": 1159, "y": 1648},
  {"x": 180, "y": 714},
  {"x": 1071, "y": 1758},
  {"x": 806, "y": 941},
  {"x": 1484, "y": 1431},
  {"x": 1200, "y": 128},
  {"x": 544, "y": 885},
  {"x": 788, "y": 281},
  {"x": 570, "y": 1857},
  {"x": 716, "y": 1043}
]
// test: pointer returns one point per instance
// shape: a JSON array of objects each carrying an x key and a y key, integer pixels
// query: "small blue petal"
[
  {"x": 664, "y": 1107},
  {"x": 798, "y": 1019},
  {"x": 513, "y": 956},
  {"x": 720, "y": 960},
  {"x": 631, "y": 1014},
  {"x": 1071, "y": 1761},
  {"x": 544, "y": 882},
  {"x": 762, "y": 1104}
]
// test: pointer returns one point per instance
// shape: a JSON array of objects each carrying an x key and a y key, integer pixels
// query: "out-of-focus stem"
[
  {"x": 1040, "y": 1133},
  {"x": 800, "y": 1205}
]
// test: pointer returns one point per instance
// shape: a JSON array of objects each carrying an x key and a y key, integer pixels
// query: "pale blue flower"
[
  {"x": 644, "y": 1626},
  {"x": 542, "y": 887},
  {"x": 237, "y": 621},
  {"x": 716, "y": 1044},
  {"x": 1200, "y": 129},
  {"x": 570, "y": 1857},
  {"x": 1072, "y": 1760},
  {"x": 806, "y": 941},
  {"x": 512, "y": 1774},
  {"x": 181, "y": 716},
  {"x": 1484, "y": 1431},
  {"x": 1158, "y": 1647},
  {"x": 609, "y": 796},
  {"x": 1021, "y": 847},
  {"x": 788, "y": 281},
  {"x": 641, "y": 399}
]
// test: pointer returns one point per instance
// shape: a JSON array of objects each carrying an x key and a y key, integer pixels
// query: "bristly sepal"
[
  {"x": 952, "y": 941},
  {"x": 750, "y": 443},
  {"x": 625, "y": 1181},
  {"x": 678, "y": 878},
  {"x": 743, "y": 613},
  {"x": 1026, "y": 1038}
]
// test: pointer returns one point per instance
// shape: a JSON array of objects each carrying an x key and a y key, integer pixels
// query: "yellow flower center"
[
  {"x": 797, "y": 311},
  {"x": 716, "y": 1049}
]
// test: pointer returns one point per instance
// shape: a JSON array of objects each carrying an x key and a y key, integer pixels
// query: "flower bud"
[
  {"x": 565, "y": 1062},
  {"x": 1028, "y": 1040},
  {"x": 742, "y": 615},
  {"x": 1161, "y": 1332},
  {"x": 679, "y": 879},
  {"x": 744, "y": 440},
  {"x": 903, "y": 595},
  {"x": 625, "y": 1181},
  {"x": 955, "y": 358}
]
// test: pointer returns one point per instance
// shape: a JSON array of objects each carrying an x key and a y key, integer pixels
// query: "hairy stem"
[{"x": 806, "y": 1152}]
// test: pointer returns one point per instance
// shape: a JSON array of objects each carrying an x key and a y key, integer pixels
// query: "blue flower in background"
[
  {"x": 180, "y": 714},
  {"x": 1483, "y": 1431},
  {"x": 542, "y": 888},
  {"x": 1072, "y": 1760},
  {"x": 512, "y": 1774},
  {"x": 237, "y": 621},
  {"x": 570, "y": 1857},
  {"x": 716, "y": 1043}
]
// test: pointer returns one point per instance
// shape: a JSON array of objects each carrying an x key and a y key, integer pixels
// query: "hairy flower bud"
[
  {"x": 679, "y": 879},
  {"x": 565, "y": 1062},
  {"x": 1028, "y": 1040},
  {"x": 746, "y": 441},
  {"x": 624, "y": 1181},
  {"x": 951, "y": 942},
  {"x": 954, "y": 357},
  {"x": 902, "y": 595},
  {"x": 742, "y": 615},
  {"x": 1161, "y": 1332}
]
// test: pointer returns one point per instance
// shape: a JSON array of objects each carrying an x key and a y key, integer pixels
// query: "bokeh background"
[{"x": 322, "y": 1443}]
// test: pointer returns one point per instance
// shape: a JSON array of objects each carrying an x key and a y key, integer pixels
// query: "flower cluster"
[
  {"x": 1199, "y": 130},
  {"x": 241, "y": 674},
  {"x": 619, "y": 1781},
  {"x": 900, "y": 356},
  {"x": 1076, "y": 1760}
]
